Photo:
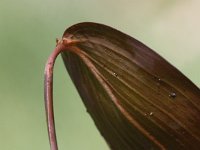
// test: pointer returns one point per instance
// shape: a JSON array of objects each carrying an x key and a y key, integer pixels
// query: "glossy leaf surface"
[{"x": 137, "y": 100}]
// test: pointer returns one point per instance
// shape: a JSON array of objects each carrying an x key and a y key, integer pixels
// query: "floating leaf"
[{"x": 137, "y": 99}]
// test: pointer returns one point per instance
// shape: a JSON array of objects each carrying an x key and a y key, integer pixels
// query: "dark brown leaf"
[{"x": 137, "y": 100}]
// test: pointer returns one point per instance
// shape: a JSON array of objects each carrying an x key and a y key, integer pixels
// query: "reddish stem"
[
  {"x": 62, "y": 45},
  {"x": 48, "y": 90}
]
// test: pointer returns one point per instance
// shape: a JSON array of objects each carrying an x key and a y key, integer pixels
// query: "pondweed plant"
[{"x": 137, "y": 99}]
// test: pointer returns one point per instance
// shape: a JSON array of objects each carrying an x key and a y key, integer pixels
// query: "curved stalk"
[
  {"x": 62, "y": 45},
  {"x": 48, "y": 90}
]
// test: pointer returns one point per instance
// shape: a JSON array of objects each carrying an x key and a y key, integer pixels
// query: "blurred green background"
[{"x": 28, "y": 29}]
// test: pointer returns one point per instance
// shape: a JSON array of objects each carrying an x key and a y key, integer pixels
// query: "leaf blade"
[{"x": 143, "y": 82}]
